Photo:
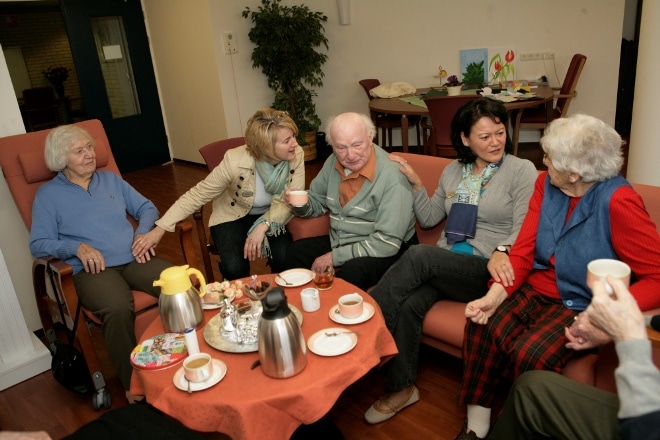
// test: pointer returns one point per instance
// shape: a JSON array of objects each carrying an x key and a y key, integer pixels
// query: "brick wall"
[{"x": 43, "y": 40}]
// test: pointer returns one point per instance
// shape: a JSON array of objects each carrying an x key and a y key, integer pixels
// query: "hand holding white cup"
[
  {"x": 601, "y": 268},
  {"x": 298, "y": 198},
  {"x": 351, "y": 305},
  {"x": 198, "y": 367}
]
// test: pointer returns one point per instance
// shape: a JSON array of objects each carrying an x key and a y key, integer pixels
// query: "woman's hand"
[
  {"x": 583, "y": 335},
  {"x": 254, "y": 241},
  {"x": 479, "y": 310},
  {"x": 144, "y": 245},
  {"x": 500, "y": 268},
  {"x": 92, "y": 260},
  {"x": 408, "y": 171}
]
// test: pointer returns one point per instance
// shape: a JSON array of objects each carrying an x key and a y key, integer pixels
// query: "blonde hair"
[
  {"x": 58, "y": 142},
  {"x": 261, "y": 132}
]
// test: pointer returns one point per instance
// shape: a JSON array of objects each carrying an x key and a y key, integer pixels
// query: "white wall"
[
  {"x": 406, "y": 41},
  {"x": 395, "y": 41},
  {"x": 14, "y": 238},
  {"x": 182, "y": 46}
]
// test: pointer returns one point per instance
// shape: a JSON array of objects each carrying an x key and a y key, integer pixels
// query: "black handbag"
[{"x": 68, "y": 364}]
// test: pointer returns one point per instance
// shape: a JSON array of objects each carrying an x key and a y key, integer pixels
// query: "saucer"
[
  {"x": 219, "y": 371},
  {"x": 323, "y": 345},
  {"x": 210, "y": 306},
  {"x": 295, "y": 277},
  {"x": 366, "y": 315}
]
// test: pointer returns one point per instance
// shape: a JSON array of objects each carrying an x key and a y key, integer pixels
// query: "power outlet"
[
  {"x": 230, "y": 42},
  {"x": 535, "y": 56}
]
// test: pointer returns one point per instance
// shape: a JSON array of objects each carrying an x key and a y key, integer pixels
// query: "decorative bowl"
[{"x": 256, "y": 293}]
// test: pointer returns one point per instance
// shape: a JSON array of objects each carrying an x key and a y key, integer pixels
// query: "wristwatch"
[{"x": 502, "y": 249}]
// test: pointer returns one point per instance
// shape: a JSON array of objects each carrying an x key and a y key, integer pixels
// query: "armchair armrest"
[
  {"x": 184, "y": 230},
  {"x": 66, "y": 294}
]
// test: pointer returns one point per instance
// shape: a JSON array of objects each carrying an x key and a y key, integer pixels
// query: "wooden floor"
[{"x": 40, "y": 403}]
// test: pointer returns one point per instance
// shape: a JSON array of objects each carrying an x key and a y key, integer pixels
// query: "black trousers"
[{"x": 363, "y": 272}]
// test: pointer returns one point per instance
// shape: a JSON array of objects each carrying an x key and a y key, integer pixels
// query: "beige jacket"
[{"x": 231, "y": 186}]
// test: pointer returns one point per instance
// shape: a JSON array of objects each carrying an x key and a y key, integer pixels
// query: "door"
[{"x": 111, "y": 53}]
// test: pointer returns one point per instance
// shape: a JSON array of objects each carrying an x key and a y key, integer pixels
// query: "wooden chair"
[
  {"x": 441, "y": 111},
  {"x": 40, "y": 108},
  {"x": 213, "y": 154},
  {"x": 537, "y": 117},
  {"x": 24, "y": 169},
  {"x": 386, "y": 122}
]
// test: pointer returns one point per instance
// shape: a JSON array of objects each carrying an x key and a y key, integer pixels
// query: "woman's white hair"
[
  {"x": 58, "y": 142},
  {"x": 584, "y": 145}
]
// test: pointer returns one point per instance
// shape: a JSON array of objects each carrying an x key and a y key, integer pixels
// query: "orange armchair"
[{"x": 24, "y": 169}]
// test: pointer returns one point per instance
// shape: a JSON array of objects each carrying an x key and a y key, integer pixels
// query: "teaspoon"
[
  {"x": 341, "y": 333},
  {"x": 285, "y": 281}
]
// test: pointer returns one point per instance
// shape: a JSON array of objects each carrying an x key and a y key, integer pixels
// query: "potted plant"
[
  {"x": 287, "y": 39},
  {"x": 453, "y": 85}
]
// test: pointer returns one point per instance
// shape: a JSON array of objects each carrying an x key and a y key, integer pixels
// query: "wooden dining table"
[
  {"x": 397, "y": 106},
  {"x": 247, "y": 404}
]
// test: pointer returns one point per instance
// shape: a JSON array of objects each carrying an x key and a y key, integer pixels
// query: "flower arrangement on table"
[
  {"x": 452, "y": 81},
  {"x": 501, "y": 71},
  {"x": 453, "y": 85},
  {"x": 56, "y": 75},
  {"x": 217, "y": 292}
]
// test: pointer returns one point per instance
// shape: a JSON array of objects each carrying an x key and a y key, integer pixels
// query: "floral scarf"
[
  {"x": 274, "y": 178},
  {"x": 462, "y": 219}
]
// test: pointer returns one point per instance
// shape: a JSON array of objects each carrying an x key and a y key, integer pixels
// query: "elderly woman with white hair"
[
  {"x": 80, "y": 217},
  {"x": 581, "y": 209}
]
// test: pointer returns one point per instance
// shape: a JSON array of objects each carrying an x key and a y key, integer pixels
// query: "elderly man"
[{"x": 370, "y": 203}]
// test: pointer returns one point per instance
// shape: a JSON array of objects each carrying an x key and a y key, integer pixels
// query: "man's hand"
[
  {"x": 583, "y": 335},
  {"x": 618, "y": 315},
  {"x": 323, "y": 261}
]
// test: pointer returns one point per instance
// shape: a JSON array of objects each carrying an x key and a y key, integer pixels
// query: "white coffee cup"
[
  {"x": 311, "y": 301},
  {"x": 198, "y": 367},
  {"x": 600, "y": 269},
  {"x": 298, "y": 198},
  {"x": 351, "y": 305}
]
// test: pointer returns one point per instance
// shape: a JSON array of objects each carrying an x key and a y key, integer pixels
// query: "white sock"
[{"x": 478, "y": 420}]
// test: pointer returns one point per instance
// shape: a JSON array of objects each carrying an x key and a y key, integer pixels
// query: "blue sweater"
[{"x": 64, "y": 216}]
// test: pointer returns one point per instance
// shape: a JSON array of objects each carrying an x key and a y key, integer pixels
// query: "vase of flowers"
[
  {"x": 56, "y": 75},
  {"x": 453, "y": 85}
]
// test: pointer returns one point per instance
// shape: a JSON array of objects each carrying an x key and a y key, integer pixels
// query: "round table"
[{"x": 246, "y": 404}]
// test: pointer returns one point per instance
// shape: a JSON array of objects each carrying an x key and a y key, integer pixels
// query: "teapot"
[
  {"x": 180, "y": 303},
  {"x": 282, "y": 349}
]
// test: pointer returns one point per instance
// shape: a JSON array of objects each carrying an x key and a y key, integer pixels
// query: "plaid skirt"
[{"x": 526, "y": 332}]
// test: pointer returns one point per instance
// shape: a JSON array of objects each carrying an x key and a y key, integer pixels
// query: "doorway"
[{"x": 104, "y": 43}]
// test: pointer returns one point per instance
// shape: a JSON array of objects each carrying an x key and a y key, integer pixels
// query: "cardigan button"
[{"x": 569, "y": 303}]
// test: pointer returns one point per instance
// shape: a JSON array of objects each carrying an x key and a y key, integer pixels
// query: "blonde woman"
[{"x": 249, "y": 217}]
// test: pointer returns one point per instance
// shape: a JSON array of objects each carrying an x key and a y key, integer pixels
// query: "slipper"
[{"x": 374, "y": 416}]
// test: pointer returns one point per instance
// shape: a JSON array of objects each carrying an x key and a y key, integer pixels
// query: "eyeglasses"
[{"x": 276, "y": 119}]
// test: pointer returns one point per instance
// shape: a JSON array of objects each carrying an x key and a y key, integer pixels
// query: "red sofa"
[{"x": 444, "y": 323}]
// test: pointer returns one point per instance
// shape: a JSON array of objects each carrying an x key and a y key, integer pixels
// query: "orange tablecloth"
[{"x": 247, "y": 404}]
